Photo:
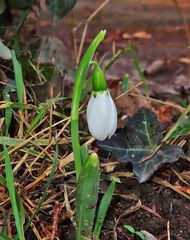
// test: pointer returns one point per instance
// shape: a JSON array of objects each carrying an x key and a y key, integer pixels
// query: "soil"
[{"x": 168, "y": 207}]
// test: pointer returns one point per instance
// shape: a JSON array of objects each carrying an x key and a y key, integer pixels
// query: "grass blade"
[
  {"x": 129, "y": 228},
  {"x": 176, "y": 124},
  {"x": 116, "y": 57},
  {"x": 6, "y": 219},
  {"x": 16, "y": 141},
  {"x": 138, "y": 67},
  {"x": 8, "y": 111},
  {"x": 20, "y": 89},
  {"x": 18, "y": 77},
  {"x": 102, "y": 210},
  {"x": 21, "y": 106},
  {"x": 21, "y": 209},
  {"x": 4, "y": 237},
  {"x": 36, "y": 120},
  {"x": 2, "y": 180},
  {"x": 12, "y": 194}
]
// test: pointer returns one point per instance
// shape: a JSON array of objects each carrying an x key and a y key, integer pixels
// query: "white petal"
[
  {"x": 101, "y": 116},
  {"x": 5, "y": 52},
  {"x": 113, "y": 117}
]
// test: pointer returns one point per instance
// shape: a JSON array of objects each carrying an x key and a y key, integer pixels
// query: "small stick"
[
  {"x": 151, "y": 155},
  {"x": 56, "y": 211},
  {"x": 168, "y": 229},
  {"x": 137, "y": 85},
  {"x": 159, "y": 101}
]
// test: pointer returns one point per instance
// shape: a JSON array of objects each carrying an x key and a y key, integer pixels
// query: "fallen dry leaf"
[
  {"x": 155, "y": 67},
  {"x": 126, "y": 35},
  {"x": 164, "y": 113},
  {"x": 184, "y": 60},
  {"x": 142, "y": 35},
  {"x": 182, "y": 81},
  {"x": 183, "y": 189}
]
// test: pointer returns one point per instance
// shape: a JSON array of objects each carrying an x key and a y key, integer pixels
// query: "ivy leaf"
[
  {"x": 165, "y": 154},
  {"x": 20, "y": 3},
  {"x": 60, "y": 7},
  {"x": 138, "y": 142}
]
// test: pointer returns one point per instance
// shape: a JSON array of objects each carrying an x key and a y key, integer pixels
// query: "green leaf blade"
[
  {"x": 2, "y": 180},
  {"x": 102, "y": 210},
  {"x": 36, "y": 120},
  {"x": 140, "y": 235},
  {"x": 87, "y": 195},
  {"x": 8, "y": 111},
  {"x": 182, "y": 129},
  {"x": 4, "y": 237},
  {"x": 12, "y": 194},
  {"x": 18, "y": 77},
  {"x": 129, "y": 228}
]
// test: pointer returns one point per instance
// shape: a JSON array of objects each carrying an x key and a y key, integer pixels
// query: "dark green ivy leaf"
[
  {"x": 60, "y": 7},
  {"x": 20, "y": 3},
  {"x": 140, "y": 139}
]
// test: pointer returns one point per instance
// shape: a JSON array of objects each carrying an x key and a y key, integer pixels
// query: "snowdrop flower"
[
  {"x": 101, "y": 115},
  {"x": 101, "y": 110}
]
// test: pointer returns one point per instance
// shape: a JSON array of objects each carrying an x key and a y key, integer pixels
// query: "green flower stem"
[{"x": 79, "y": 80}]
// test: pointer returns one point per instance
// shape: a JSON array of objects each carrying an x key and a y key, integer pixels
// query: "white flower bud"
[{"x": 101, "y": 115}]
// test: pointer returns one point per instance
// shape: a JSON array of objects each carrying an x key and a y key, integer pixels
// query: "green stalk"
[{"x": 79, "y": 80}]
